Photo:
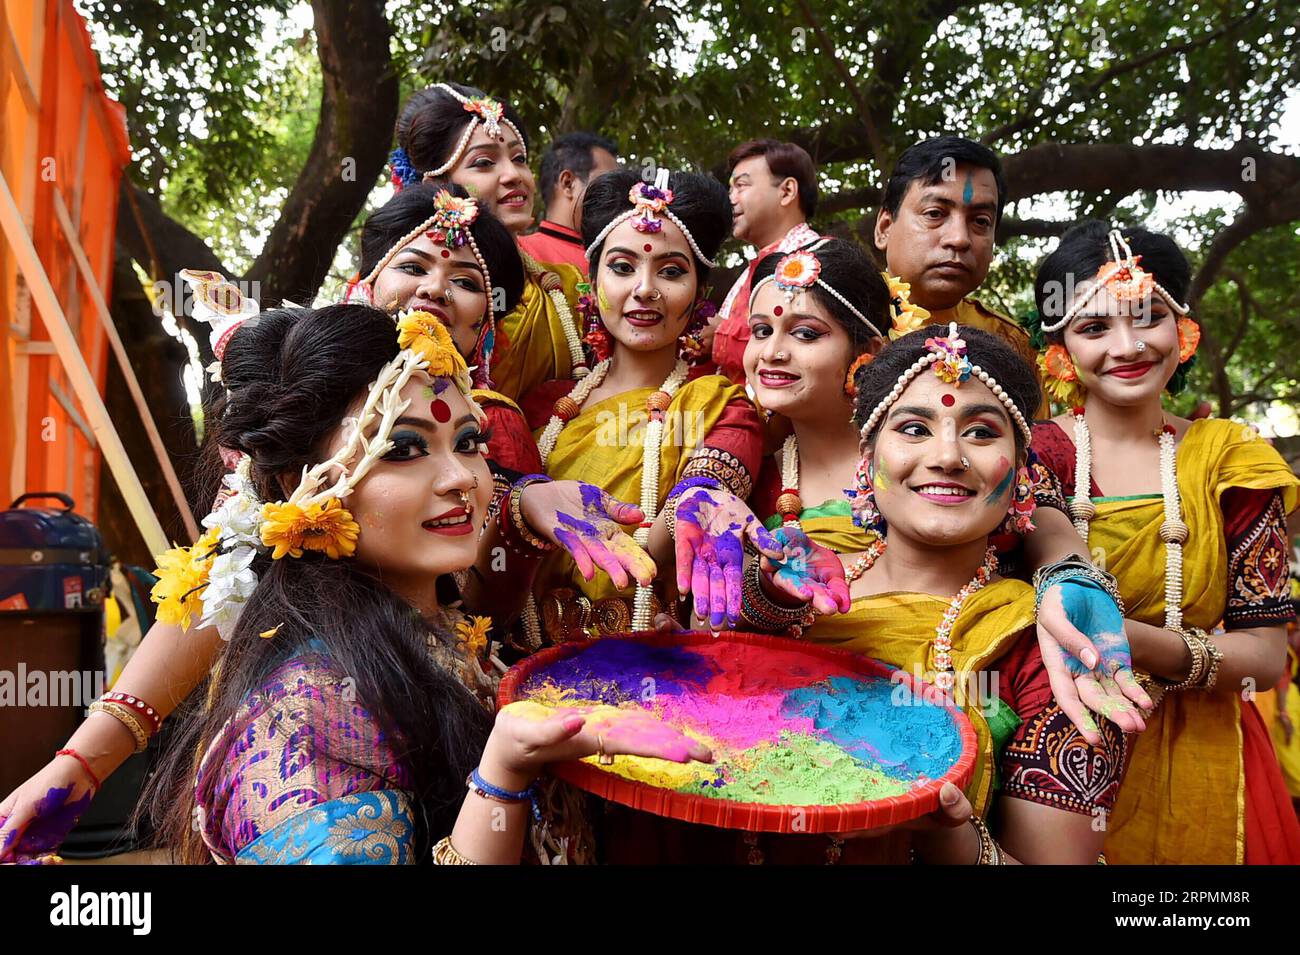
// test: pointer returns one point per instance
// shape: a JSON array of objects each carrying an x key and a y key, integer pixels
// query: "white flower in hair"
[{"x": 231, "y": 581}]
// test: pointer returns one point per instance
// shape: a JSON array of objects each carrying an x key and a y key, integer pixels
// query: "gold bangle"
[
  {"x": 128, "y": 718},
  {"x": 1199, "y": 657},
  {"x": 990, "y": 851},
  {"x": 517, "y": 519},
  {"x": 444, "y": 853},
  {"x": 1214, "y": 657}
]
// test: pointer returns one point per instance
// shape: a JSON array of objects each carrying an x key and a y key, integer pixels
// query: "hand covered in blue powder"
[
  {"x": 1086, "y": 652},
  {"x": 807, "y": 571},
  {"x": 710, "y": 530}
]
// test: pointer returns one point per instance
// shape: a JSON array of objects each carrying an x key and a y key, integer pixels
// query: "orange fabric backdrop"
[{"x": 60, "y": 133}]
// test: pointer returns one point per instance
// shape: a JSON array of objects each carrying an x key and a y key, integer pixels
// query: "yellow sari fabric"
[
  {"x": 603, "y": 446},
  {"x": 1183, "y": 797},
  {"x": 535, "y": 347},
  {"x": 898, "y": 628}
]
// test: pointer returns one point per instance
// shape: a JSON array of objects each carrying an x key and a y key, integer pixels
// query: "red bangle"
[
  {"x": 136, "y": 704},
  {"x": 84, "y": 765}
]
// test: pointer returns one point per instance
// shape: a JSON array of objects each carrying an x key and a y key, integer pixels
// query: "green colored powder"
[{"x": 800, "y": 770}]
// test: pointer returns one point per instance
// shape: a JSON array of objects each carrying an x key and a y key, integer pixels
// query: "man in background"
[{"x": 568, "y": 166}]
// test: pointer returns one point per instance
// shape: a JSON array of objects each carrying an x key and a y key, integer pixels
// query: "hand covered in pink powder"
[
  {"x": 711, "y": 527},
  {"x": 529, "y": 735},
  {"x": 590, "y": 525},
  {"x": 806, "y": 571},
  {"x": 38, "y": 815}
]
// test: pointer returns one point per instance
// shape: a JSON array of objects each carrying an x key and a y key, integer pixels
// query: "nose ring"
[
  {"x": 1141, "y": 345},
  {"x": 656, "y": 296},
  {"x": 446, "y": 295},
  {"x": 965, "y": 463},
  {"x": 464, "y": 501},
  {"x": 780, "y": 356}
]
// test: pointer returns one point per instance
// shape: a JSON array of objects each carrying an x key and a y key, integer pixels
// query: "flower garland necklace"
[
  {"x": 790, "y": 505},
  {"x": 550, "y": 283},
  {"x": 1174, "y": 531},
  {"x": 569, "y": 407},
  {"x": 941, "y": 645}
]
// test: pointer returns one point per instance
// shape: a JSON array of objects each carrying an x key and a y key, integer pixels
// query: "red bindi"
[
  {"x": 648, "y": 247},
  {"x": 948, "y": 401},
  {"x": 440, "y": 410},
  {"x": 446, "y": 254},
  {"x": 777, "y": 310}
]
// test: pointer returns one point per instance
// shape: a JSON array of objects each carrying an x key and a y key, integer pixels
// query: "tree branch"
[
  {"x": 1282, "y": 208},
  {"x": 866, "y": 113},
  {"x": 357, "y": 113}
]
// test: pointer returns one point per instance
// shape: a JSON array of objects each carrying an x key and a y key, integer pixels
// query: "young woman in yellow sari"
[
  {"x": 1190, "y": 518},
  {"x": 460, "y": 134},
  {"x": 636, "y": 427}
]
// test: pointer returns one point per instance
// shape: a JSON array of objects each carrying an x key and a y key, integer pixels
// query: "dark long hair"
[
  {"x": 292, "y": 374},
  {"x": 1081, "y": 253},
  {"x": 847, "y": 269},
  {"x": 700, "y": 201},
  {"x": 415, "y": 204},
  {"x": 1016, "y": 376},
  {"x": 433, "y": 121}
]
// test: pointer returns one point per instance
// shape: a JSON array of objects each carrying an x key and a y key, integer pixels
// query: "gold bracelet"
[
  {"x": 1199, "y": 657},
  {"x": 990, "y": 851},
  {"x": 1215, "y": 655},
  {"x": 127, "y": 717},
  {"x": 444, "y": 853},
  {"x": 517, "y": 519}
]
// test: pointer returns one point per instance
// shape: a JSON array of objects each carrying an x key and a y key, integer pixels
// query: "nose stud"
[
  {"x": 1141, "y": 345},
  {"x": 965, "y": 463}
]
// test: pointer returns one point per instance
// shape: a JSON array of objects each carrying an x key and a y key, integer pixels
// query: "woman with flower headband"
[
  {"x": 340, "y": 724},
  {"x": 635, "y": 425},
  {"x": 449, "y": 252},
  {"x": 1190, "y": 517},
  {"x": 460, "y": 134}
]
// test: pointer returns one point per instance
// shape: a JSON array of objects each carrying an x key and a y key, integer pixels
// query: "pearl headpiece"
[
  {"x": 948, "y": 357},
  {"x": 799, "y": 271},
  {"x": 485, "y": 110},
  {"x": 1124, "y": 278},
  {"x": 649, "y": 202}
]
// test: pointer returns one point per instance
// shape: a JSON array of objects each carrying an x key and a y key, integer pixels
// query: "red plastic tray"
[{"x": 754, "y": 817}]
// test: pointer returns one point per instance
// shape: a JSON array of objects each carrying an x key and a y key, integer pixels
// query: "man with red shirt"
[
  {"x": 568, "y": 166},
  {"x": 773, "y": 189}
]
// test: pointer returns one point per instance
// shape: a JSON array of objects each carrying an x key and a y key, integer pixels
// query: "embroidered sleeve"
[
  {"x": 1048, "y": 491},
  {"x": 1047, "y": 760},
  {"x": 1258, "y": 559},
  {"x": 732, "y": 449}
]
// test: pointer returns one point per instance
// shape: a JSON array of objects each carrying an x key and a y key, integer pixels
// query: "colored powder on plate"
[
  {"x": 865, "y": 716},
  {"x": 742, "y": 669},
  {"x": 737, "y": 721},
  {"x": 802, "y": 770},
  {"x": 619, "y": 671}
]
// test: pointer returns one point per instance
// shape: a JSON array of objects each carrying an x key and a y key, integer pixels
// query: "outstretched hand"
[
  {"x": 591, "y": 525},
  {"x": 806, "y": 571},
  {"x": 711, "y": 527},
  {"x": 37, "y": 816},
  {"x": 1086, "y": 653}
]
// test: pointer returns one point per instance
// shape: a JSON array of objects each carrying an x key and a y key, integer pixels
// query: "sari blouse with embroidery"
[{"x": 303, "y": 774}]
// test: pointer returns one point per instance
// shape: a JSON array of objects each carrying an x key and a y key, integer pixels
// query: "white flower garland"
[{"x": 1174, "y": 532}]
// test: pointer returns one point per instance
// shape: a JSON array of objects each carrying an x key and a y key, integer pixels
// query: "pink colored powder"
[{"x": 737, "y": 721}]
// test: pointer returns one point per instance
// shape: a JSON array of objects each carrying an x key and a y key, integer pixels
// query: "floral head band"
[
  {"x": 221, "y": 304},
  {"x": 213, "y": 579},
  {"x": 649, "y": 204},
  {"x": 1125, "y": 279},
  {"x": 483, "y": 109},
  {"x": 947, "y": 355},
  {"x": 449, "y": 226},
  {"x": 798, "y": 272}
]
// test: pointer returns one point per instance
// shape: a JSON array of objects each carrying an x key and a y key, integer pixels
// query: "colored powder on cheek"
[
  {"x": 802, "y": 770},
  {"x": 601, "y": 300},
  {"x": 866, "y": 719},
  {"x": 1001, "y": 489}
]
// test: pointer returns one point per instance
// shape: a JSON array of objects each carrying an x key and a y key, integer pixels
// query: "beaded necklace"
[
  {"x": 569, "y": 407},
  {"x": 790, "y": 505},
  {"x": 1174, "y": 532}
]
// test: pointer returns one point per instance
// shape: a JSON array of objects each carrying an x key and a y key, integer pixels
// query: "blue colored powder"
[
  {"x": 878, "y": 721},
  {"x": 616, "y": 671}
]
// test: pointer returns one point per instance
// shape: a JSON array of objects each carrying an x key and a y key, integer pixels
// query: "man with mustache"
[
  {"x": 569, "y": 165},
  {"x": 935, "y": 231},
  {"x": 773, "y": 191}
]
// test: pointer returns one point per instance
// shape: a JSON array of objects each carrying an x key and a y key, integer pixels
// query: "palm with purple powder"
[
  {"x": 51, "y": 819},
  {"x": 711, "y": 527},
  {"x": 589, "y": 524},
  {"x": 807, "y": 571}
]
